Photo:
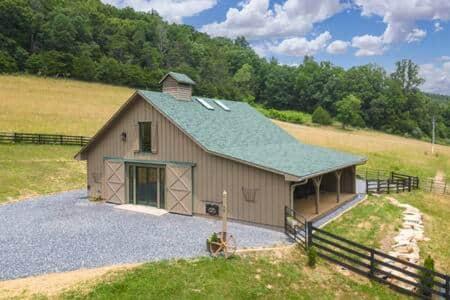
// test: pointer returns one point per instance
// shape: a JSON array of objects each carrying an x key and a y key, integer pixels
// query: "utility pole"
[{"x": 433, "y": 138}]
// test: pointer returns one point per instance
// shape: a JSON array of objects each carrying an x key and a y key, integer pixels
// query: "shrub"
[
  {"x": 321, "y": 116},
  {"x": 312, "y": 257},
  {"x": 213, "y": 238},
  {"x": 291, "y": 116},
  {"x": 426, "y": 277}
]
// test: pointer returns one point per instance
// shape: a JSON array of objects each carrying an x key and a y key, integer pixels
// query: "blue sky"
[{"x": 345, "y": 32}]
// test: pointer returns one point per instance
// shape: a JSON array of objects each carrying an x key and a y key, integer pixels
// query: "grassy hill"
[{"x": 34, "y": 104}]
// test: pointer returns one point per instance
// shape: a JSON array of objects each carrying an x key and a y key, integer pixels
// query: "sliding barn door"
[
  {"x": 179, "y": 189},
  {"x": 114, "y": 191}
]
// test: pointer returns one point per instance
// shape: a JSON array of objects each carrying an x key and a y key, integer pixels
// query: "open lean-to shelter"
[{"x": 178, "y": 152}]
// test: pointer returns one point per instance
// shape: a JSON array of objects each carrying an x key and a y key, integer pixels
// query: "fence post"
[
  {"x": 309, "y": 239},
  {"x": 431, "y": 185},
  {"x": 378, "y": 185},
  {"x": 388, "y": 186},
  {"x": 447, "y": 287},
  {"x": 372, "y": 263},
  {"x": 409, "y": 183}
]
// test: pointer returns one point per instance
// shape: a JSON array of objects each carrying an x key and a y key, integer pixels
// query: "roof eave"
[{"x": 355, "y": 163}]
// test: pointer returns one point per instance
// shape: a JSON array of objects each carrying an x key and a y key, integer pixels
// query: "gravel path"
[{"x": 66, "y": 232}]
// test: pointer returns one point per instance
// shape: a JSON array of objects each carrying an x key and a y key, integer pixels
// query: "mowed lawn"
[
  {"x": 29, "y": 170},
  {"x": 252, "y": 277}
]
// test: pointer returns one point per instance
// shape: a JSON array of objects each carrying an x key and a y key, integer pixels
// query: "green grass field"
[
  {"x": 29, "y": 170},
  {"x": 70, "y": 107},
  {"x": 238, "y": 278}
]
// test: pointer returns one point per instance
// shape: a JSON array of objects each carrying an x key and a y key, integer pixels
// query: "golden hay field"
[{"x": 44, "y": 105}]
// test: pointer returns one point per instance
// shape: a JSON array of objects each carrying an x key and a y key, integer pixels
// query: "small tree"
[
  {"x": 427, "y": 277},
  {"x": 321, "y": 116},
  {"x": 349, "y": 111}
]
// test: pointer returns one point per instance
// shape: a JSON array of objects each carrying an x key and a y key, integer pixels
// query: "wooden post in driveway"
[
  {"x": 317, "y": 180},
  {"x": 338, "y": 174}
]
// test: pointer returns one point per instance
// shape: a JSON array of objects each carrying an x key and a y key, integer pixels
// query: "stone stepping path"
[{"x": 406, "y": 242}]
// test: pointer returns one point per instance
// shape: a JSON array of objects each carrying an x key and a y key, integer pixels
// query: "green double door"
[{"x": 146, "y": 185}]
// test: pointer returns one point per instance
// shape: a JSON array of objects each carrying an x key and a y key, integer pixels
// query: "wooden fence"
[
  {"x": 295, "y": 226},
  {"x": 399, "y": 274},
  {"x": 432, "y": 185},
  {"x": 41, "y": 138},
  {"x": 395, "y": 183}
]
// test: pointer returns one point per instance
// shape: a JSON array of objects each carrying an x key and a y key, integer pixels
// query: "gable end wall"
[{"x": 211, "y": 174}]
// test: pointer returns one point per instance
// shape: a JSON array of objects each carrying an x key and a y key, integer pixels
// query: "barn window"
[{"x": 145, "y": 136}]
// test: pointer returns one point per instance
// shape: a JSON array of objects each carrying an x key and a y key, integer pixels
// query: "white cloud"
[
  {"x": 302, "y": 46},
  {"x": 368, "y": 45},
  {"x": 254, "y": 19},
  {"x": 416, "y": 35},
  {"x": 437, "y": 77},
  {"x": 338, "y": 47},
  {"x": 444, "y": 58},
  {"x": 400, "y": 17},
  {"x": 437, "y": 27},
  {"x": 171, "y": 10}
]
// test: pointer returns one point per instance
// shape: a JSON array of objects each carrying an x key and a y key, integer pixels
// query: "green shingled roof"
[
  {"x": 246, "y": 135},
  {"x": 179, "y": 77}
]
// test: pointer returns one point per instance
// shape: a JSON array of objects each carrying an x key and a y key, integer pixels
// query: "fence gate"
[
  {"x": 114, "y": 186},
  {"x": 179, "y": 189}
]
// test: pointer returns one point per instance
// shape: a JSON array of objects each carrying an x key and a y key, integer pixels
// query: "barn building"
[{"x": 178, "y": 152}]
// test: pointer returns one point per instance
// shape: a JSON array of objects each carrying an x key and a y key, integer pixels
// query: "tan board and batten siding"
[{"x": 211, "y": 174}]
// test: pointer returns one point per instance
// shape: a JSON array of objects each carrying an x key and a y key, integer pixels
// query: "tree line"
[{"x": 91, "y": 41}]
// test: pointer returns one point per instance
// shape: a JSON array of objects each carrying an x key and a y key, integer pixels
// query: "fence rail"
[
  {"x": 401, "y": 275},
  {"x": 41, "y": 138},
  {"x": 295, "y": 226},
  {"x": 396, "y": 183}
]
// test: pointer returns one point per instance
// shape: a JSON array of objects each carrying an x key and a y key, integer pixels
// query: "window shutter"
[
  {"x": 136, "y": 138},
  {"x": 154, "y": 129}
]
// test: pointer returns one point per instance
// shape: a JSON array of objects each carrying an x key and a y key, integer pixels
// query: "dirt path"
[{"x": 50, "y": 285}]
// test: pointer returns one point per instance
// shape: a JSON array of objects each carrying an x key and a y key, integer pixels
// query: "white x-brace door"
[
  {"x": 114, "y": 181},
  {"x": 179, "y": 189}
]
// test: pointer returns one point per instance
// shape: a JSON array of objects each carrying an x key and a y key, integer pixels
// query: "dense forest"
[{"x": 88, "y": 40}]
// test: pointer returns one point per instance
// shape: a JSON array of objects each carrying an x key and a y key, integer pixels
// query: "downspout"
[{"x": 293, "y": 186}]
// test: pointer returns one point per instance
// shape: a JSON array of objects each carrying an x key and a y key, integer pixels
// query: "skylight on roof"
[
  {"x": 204, "y": 103},
  {"x": 222, "y": 105}
]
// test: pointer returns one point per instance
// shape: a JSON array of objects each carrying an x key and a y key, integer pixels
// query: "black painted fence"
[
  {"x": 42, "y": 138},
  {"x": 399, "y": 274},
  {"x": 396, "y": 183}
]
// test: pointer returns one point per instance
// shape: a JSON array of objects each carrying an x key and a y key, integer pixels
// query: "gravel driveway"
[{"x": 66, "y": 232}]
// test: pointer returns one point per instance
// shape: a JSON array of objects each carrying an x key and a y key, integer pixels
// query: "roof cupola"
[{"x": 178, "y": 85}]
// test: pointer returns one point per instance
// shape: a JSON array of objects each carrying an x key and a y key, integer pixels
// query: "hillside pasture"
[{"x": 45, "y": 105}]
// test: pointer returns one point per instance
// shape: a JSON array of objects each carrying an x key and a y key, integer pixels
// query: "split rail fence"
[
  {"x": 399, "y": 274},
  {"x": 41, "y": 138}
]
